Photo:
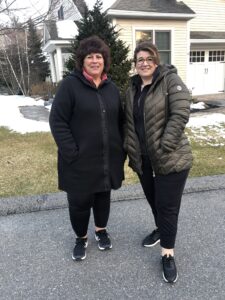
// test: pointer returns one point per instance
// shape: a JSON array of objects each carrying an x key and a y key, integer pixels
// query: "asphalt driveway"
[{"x": 36, "y": 252}]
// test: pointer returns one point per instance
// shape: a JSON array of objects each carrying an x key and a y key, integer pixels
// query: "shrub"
[{"x": 45, "y": 90}]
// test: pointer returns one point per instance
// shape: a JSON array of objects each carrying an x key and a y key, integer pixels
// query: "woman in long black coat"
[{"x": 86, "y": 122}]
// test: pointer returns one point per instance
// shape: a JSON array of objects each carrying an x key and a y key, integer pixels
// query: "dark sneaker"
[
  {"x": 169, "y": 269},
  {"x": 152, "y": 239},
  {"x": 103, "y": 239},
  {"x": 79, "y": 251}
]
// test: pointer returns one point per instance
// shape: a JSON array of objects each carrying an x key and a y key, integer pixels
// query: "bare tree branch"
[
  {"x": 20, "y": 63},
  {"x": 28, "y": 63},
  {"x": 6, "y": 6},
  {"x": 7, "y": 10},
  {"x": 11, "y": 66},
  {"x": 5, "y": 79}
]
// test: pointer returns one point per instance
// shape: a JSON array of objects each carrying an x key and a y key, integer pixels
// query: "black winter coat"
[{"x": 86, "y": 123}]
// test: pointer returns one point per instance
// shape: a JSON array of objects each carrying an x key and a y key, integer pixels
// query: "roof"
[
  {"x": 57, "y": 30},
  {"x": 60, "y": 30},
  {"x": 50, "y": 26},
  {"x": 81, "y": 6},
  {"x": 156, "y": 6},
  {"x": 207, "y": 35}
]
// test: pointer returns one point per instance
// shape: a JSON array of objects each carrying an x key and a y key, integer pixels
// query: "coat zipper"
[
  {"x": 105, "y": 141},
  {"x": 153, "y": 171}
]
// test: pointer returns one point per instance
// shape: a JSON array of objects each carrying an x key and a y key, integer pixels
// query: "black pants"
[
  {"x": 80, "y": 209},
  {"x": 164, "y": 193}
]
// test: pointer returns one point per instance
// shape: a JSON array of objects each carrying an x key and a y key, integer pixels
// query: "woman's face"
[
  {"x": 94, "y": 64},
  {"x": 145, "y": 65}
]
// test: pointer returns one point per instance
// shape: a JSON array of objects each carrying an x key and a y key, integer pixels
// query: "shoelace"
[
  {"x": 80, "y": 243},
  {"x": 169, "y": 261},
  {"x": 103, "y": 235},
  {"x": 153, "y": 232}
]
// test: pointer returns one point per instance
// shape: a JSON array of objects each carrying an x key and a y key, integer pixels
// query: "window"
[
  {"x": 61, "y": 13},
  {"x": 216, "y": 55},
  {"x": 197, "y": 56},
  {"x": 143, "y": 36},
  {"x": 163, "y": 42},
  {"x": 162, "y": 39}
]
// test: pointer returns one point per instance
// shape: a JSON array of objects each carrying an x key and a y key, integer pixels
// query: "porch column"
[
  {"x": 52, "y": 67},
  {"x": 60, "y": 62}
]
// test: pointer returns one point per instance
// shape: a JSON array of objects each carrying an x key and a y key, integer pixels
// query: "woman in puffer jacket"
[{"x": 157, "y": 109}]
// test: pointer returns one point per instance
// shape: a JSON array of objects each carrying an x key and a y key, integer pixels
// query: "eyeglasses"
[{"x": 148, "y": 60}]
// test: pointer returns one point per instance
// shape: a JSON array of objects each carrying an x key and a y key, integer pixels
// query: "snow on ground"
[
  {"x": 198, "y": 105},
  {"x": 11, "y": 117},
  {"x": 208, "y": 127},
  {"x": 213, "y": 119}
]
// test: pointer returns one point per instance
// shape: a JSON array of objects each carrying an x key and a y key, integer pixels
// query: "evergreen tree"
[
  {"x": 39, "y": 68},
  {"x": 95, "y": 22}
]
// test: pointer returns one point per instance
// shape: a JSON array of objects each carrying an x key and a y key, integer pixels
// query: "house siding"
[
  {"x": 178, "y": 33},
  {"x": 210, "y": 15}
]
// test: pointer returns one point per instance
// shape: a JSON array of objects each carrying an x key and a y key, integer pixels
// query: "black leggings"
[
  {"x": 164, "y": 193},
  {"x": 80, "y": 209}
]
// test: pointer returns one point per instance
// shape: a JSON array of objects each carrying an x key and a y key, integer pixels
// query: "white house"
[{"x": 59, "y": 30}]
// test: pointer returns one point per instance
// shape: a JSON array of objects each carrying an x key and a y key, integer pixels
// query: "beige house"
[{"x": 189, "y": 34}]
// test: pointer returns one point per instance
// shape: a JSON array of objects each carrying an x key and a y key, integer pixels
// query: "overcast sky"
[{"x": 36, "y": 7}]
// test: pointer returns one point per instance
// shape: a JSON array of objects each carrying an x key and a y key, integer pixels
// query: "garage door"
[{"x": 206, "y": 72}]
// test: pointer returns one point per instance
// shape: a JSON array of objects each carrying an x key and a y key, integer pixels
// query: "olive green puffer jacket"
[{"x": 166, "y": 112}]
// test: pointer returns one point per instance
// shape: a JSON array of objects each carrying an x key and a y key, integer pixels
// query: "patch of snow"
[
  {"x": 214, "y": 119},
  {"x": 199, "y": 105},
  {"x": 204, "y": 127},
  {"x": 11, "y": 117}
]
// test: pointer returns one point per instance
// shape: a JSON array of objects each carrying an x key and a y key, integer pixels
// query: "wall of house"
[
  {"x": 210, "y": 15},
  {"x": 180, "y": 38}
]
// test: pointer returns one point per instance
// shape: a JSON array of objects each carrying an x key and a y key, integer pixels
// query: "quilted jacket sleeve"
[{"x": 178, "y": 112}]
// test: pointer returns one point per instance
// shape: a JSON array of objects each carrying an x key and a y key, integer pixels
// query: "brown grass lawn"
[{"x": 28, "y": 162}]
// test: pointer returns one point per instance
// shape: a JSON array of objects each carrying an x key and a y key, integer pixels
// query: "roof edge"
[{"x": 153, "y": 15}]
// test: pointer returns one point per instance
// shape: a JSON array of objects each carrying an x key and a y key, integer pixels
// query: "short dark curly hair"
[
  {"x": 149, "y": 47},
  {"x": 92, "y": 44}
]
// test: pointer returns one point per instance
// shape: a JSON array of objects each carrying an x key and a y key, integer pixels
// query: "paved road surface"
[{"x": 35, "y": 261}]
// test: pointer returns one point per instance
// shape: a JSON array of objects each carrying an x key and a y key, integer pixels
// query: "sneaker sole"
[
  {"x": 106, "y": 248},
  {"x": 175, "y": 280},
  {"x": 101, "y": 248},
  {"x": 152, "y": 245},
  {"x": 80, "y": 258}
]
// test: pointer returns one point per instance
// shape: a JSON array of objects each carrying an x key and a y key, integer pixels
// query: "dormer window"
[{"x": 61, "y": 13}]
